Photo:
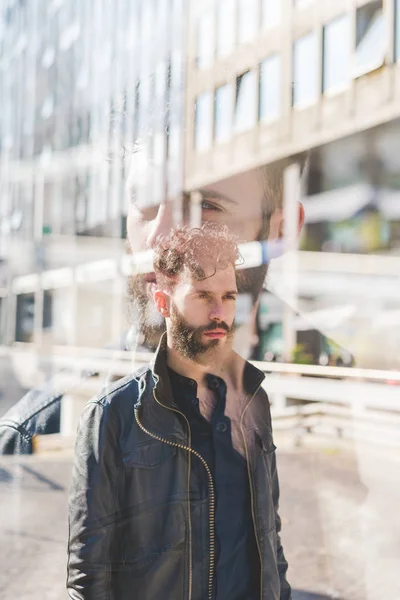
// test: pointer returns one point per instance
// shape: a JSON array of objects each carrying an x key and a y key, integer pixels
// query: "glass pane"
[
  {"x": 223, "y": 113},
  {"x": 305, "y": 75},
  {"x": 270, "y": 88},
  {"x": 226, "y": 30},
  {"x": 336, "y": 53},
  {"x": 246, "y": 102},
  {"x": 205, "y": 41},
  {"x": 371, "y": 39},
  {"x": 248, "y": 20},
  {"x": 203, "y": 122},
  {"x": 121, "y": 120},
  {"x": 271, "y": 13}
]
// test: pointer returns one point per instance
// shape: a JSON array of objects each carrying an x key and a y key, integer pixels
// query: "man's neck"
[
  {"x": 192, "y": 369},
  {"x": 230, "y": 368}
]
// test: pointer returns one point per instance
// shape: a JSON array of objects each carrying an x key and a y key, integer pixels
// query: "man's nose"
[
  {"x": 161, "y": 225},
  {"x": 217, "y": 311}
]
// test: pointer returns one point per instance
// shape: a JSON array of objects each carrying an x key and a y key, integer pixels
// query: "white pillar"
[{"x": 291, "y": 191}]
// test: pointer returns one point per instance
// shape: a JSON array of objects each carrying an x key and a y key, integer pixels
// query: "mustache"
[{"x": 213, "y": 326}]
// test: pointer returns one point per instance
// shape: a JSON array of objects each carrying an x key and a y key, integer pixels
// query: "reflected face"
[{"x": 202, "y": 313}]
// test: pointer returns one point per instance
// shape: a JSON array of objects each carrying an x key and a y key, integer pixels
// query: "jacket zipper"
[
  {"x": 251, "y": 491},
  {"x": 211, "y": 495}
]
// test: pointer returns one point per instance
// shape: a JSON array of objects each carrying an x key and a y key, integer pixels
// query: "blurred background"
[{"x": 105, "y": 104}]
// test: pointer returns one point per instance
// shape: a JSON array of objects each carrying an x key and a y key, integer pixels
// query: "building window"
[
  {"x": 271, "y": 13},
  {"x": 336, "y": 53},
  {"x": 226, "y": 22},
  {"x": 203, "y": 122},
  {"x": 204, "y": 41},
  {"x": 270, "y": 88},
  {"x": 305, "y": 72},
  {"x": 246, "y": 101},
  {"x": 223, "y": 113},
  {"x": 371, "y": 38},
  {"x": 248, "y": 19}
]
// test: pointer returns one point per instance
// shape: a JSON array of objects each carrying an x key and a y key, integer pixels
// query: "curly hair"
[{"x": 190, "y": 248}]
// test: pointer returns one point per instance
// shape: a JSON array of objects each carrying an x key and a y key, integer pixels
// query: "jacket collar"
[{"x": 252, "y": 377}]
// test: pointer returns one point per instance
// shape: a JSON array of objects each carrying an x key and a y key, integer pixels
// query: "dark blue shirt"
[{"x": 237, "y": 562}]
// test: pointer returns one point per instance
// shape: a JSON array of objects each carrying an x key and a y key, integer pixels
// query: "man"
[
  {"x": 251, "y": 207},
  {"x": 175, "y": 489}
]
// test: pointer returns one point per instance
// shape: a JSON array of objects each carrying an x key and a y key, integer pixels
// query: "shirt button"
[
  {"x": 192, "y": 382},
  {"x": 214, "y": 383},
  {"x": 195, "y": 401},
  {"x": 221, "y": 427}
]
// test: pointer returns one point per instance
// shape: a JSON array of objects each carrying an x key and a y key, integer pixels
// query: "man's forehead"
[
  {"x": 239, "y": 189},
  {"x": 215, "y": 279}
]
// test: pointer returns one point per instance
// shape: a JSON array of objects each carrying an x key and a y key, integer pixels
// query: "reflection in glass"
[
  {"x": 204, "y": 41},
  {"x": 203, "y": 122},
  {"x": 248, "y": 19},
  {"x": 223, "y": 113},
  {"x": 246, "y": 101},
  {"x": 371, "y": 39},
  {"x": 271, "y": 13},
  {"x": 270, "y": 88},
  {"x": 226, "y": 27},
  {"x": 305, "y": 76},
  {"x": 336, "y": 53}
]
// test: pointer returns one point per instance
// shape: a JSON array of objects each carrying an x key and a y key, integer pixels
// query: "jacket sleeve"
[
  {"x": 286, "y": 592},
  {"x": 13, "y": 441},
  {"x": 92, "y": 505}
]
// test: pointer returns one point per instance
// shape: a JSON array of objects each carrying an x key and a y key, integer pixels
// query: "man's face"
[{"x": 202, "y": 314}]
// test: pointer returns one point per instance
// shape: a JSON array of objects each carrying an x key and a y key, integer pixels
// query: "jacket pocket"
[
  {"x": 148, "y": 455},
  {"x": 267, "y": 443}
]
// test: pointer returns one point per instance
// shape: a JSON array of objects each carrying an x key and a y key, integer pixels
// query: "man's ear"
[
  {"x": 277, "y": 229},
  {"x": 162, "y": 302}
]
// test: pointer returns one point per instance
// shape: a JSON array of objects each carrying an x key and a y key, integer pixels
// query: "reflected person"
[{"x": 251, "y": 207}]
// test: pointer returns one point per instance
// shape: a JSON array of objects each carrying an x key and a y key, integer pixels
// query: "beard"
[
  {"x": 187, "y": 340},
  {"x": 149, "y": 325}
]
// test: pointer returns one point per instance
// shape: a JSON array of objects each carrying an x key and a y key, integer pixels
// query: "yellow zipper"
[
  {"x": 211, "y": 494},
  {"x": 251, "y": 490}
]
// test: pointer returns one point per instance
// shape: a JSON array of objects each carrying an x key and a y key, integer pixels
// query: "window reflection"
[
  {"x": 305, "y": 73},
  {"x": 248, "y": 20},
  {"x": 223, "y": 113},
  {"x": 203, "y": 122},
  {"x": 246, "y": 101},
  {"x": 371, "y": 39},
  {"x": 226, "y": 27},
  {"x": 270, "y": 88},
  {"x": 336, "y": 53},
  {"x": 271, "y": 11},
  {"x": 128, "y": 117},
  {"x": 204, "y": 41}
]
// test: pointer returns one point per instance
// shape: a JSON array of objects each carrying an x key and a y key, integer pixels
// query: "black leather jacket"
[{"x": 135, "y": 512}]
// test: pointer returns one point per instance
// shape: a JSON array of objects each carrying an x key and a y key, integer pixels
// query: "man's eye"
[
  {"x": 230, "y": 297},
  {"x": 207, "y": 205},
  {"x": 203, "y": 296}
]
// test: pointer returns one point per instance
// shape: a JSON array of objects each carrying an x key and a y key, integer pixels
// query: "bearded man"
[{"x": 175, "y": 489}]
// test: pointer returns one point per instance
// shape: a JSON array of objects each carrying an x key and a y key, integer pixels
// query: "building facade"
[
  {"x": 105, "y": 103},
  {"x": 271, "y": 82},
  {"x": 85, "y": 90}
]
